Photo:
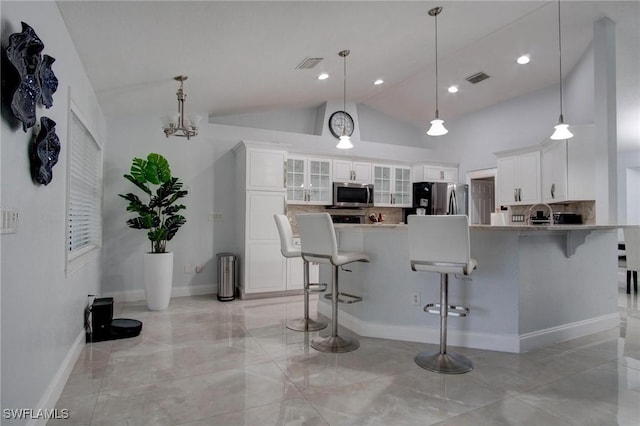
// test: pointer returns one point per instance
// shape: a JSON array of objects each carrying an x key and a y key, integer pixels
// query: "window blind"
[{"x": 84, "y": 218}]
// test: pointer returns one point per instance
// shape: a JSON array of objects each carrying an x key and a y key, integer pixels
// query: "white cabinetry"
[
  {"x": 309, "y": 180},
  {"x": 351, "y": 171},
  {"x": 568, "y": 167},
  {"x": 518, "y": 178},
  {"x": 391, "y": 185},
  {"x": 435, "y": 173},
  {"x": 260, "y": 193},
  {"x": 295, "y": 271}
]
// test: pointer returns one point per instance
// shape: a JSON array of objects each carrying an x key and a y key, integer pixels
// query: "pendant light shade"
[
  {"x": 561, "y": 129},
  {"x": 345, "y": 140},
  {"x": 437, "y": 128},
  {"x": 344, "y": 143},
  {"x": 437, "y": 125}
]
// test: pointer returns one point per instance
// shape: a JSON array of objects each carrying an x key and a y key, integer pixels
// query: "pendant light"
[
  {"x": 561, "y": 129},
  {"x": 437, "y": 125},
  {"x": 345, "y": 140}
]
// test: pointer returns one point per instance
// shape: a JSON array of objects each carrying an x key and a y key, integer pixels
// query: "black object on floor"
[{"x": 101, "y": 326}]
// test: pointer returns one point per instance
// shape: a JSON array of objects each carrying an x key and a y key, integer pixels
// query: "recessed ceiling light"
[
  {"x": 524, "y": 59},
  {"x": 378, "y": 82},
  {"x": 453, "y": 89},
  {"x": 323, "y": 76}
]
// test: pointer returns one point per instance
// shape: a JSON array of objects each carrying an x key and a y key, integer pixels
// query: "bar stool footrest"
[
  {"x": 316, "y": 288},
  {"x": 454, "y": 311},
  {"x": 344, "y": 298}
]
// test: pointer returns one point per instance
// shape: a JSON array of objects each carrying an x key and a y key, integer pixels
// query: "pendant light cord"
[
  {"x": 437, "y": 113},
  {"x": 344, "y": 96},
  {"x": 560, "y": 53}
]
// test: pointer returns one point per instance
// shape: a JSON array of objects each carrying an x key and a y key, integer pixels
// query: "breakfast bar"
[{"x": 535, "y": 285}]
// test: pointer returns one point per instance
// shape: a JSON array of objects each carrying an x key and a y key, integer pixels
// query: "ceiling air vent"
[
  {"x": 308, "y": 63},
  {"x": 477, "y": 78}
]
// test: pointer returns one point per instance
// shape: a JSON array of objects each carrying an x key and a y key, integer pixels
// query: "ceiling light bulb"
[
  {"x": 344, "y": 143},
  {"x": 323, "y": 76},
  {"x": 378, "y": 82},
  {"x": 437, "y": 128},
  {"x": 453, "y": 89},
  {"x": 524, "y": 59}
]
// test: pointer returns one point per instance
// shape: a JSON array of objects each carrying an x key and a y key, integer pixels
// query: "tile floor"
[{"x": 203, "y": 362}]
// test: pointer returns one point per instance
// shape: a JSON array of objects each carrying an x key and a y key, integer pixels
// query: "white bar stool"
[
  {"x": 441, "y": 244},
  {"x": 319, "y": 244},
  {"x": 288, "y": 250}
]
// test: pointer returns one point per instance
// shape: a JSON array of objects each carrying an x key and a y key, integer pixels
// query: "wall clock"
[{"x": 341, "y": 123}]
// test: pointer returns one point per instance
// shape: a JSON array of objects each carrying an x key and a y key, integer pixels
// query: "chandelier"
[{"x": 178, "y": 124}]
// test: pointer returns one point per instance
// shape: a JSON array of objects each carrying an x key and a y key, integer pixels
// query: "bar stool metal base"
[
  {"x": 334, "y": 344},
  {"x": 305, "y": 324},
  {"x": 445, "y": 363}
]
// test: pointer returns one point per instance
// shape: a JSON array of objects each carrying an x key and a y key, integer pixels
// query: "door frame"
[{"x": 481, "y": 174}]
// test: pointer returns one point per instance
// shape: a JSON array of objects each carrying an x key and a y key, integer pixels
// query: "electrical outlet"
[
  {"x": 188, "y": 268},
  {"x": 215, "y": 216},
  {"x": 415, "y": 298}
]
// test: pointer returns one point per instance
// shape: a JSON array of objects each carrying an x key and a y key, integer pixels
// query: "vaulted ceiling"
[{"x": 241, "y": 56}]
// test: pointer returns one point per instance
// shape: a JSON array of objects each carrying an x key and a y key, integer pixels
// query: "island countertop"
[
  {"x": 535, "y": 285},
  {"x": 370, "y": 226}
]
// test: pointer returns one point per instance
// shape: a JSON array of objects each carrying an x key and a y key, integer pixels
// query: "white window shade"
[{"x": 84, "y": 194}]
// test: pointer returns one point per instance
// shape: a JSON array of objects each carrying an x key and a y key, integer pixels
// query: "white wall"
[
  {"x": 42, "y": 309},
  {"x": 207, "y": 166}
]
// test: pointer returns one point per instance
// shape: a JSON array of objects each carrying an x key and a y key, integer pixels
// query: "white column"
[{"x": 604, "y": 47}]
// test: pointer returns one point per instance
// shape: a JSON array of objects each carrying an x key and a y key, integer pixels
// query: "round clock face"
[{"x": 341, "y": 123}]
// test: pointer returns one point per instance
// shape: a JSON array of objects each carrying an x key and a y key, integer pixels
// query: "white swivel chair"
[
  {"x": 441, "y": 244},
  {"x": 288, "y": 250},
  {"x": 319, "y": 244},
  {"x": 632, "y": 253}
]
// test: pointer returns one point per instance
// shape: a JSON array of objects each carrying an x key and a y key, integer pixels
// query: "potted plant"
[{"x": 160, "y": 216}]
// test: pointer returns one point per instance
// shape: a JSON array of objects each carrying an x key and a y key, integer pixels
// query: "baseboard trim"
[
  {"x": 564, "y": 332},
  {"x": 490, "y": 341},
  {"x": 54, "y": 390},
  {"x": 138, "y": 295}
]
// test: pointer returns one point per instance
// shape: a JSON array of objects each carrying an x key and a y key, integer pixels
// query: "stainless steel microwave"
[{"x": 348, "y": 194}]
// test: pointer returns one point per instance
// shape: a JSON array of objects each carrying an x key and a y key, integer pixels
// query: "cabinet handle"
[
  {"x": 441, "y": 174},
  {"x": 515, "y": 194},
  {"x": 284, "y": 178},
  {"x": 553, "y": 190},
  {"x": 519, "y": 194}
]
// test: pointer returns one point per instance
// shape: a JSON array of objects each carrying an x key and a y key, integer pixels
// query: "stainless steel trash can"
[{"x": 226, "y": 276}]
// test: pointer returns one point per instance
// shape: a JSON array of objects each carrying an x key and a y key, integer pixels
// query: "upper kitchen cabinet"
[
  {"x": 309, "y": 180},
  {"x": 518, "y": 177},
  {"x": 568, "y": 167},
  {"x": 392, "y": 185},
  {"x": 264, "y": 167},
  {"x": 435, "y": 173},
  {"x": 351, "y": 171}
]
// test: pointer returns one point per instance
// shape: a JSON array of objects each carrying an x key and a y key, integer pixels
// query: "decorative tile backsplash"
[
  {"x": 390, "y": 214},
  {"x": 587, "y": 209}
]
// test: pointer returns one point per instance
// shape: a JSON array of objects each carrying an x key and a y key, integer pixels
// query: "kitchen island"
[{"x": 535, "y": 285}]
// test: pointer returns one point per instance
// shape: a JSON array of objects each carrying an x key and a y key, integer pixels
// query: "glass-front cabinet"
[
  {"x": 308, "y": 180},
  {"x": 391, "y": 185}
]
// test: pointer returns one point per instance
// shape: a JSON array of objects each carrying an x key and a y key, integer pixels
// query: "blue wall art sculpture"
[
  {"x": 44, "y": 152},
  {"x": 37, "y": 82}
]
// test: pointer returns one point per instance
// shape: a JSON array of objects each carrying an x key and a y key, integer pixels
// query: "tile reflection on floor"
[{"x": 204, "y": 362}]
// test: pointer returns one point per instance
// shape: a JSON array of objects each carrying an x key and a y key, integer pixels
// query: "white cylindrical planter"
[{"x": 158, "y": 277}]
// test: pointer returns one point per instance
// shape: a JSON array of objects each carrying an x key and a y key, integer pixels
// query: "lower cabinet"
[
  {"x": 265, "y": 268},
  {"x": 295, "y": 273}
]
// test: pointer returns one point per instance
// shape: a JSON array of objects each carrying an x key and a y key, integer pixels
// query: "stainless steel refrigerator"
[{"x": 436, "y": 198}]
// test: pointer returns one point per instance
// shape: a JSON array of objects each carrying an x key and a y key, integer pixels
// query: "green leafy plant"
[{"x": 160, "y": 215}]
